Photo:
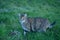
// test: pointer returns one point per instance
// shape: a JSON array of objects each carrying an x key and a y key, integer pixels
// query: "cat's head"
[{"x": 22, "y": 16}]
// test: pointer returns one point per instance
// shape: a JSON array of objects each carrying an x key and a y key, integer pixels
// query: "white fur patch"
[
  {"x": 23, "y": 21},
  {"x": 23, "y": 26}
]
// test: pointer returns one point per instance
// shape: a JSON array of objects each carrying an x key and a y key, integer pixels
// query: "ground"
[{"x": 10, "y": 28}]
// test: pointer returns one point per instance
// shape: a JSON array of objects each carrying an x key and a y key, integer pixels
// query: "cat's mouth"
[{"x": 23, "y": 21}]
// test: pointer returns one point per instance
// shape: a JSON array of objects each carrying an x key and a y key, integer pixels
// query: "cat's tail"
[{"x": 52, "y": 24}]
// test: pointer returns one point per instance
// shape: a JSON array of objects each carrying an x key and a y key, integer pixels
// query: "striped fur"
[{"x": 36, "y": 24}]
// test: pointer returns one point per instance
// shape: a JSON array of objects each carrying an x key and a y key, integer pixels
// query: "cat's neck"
[{"x": 23, "y": 20}]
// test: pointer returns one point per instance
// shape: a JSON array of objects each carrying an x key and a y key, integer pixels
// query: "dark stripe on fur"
[
  {"x": 53, "y": 23},
  {"x": 34, "y": 24}
]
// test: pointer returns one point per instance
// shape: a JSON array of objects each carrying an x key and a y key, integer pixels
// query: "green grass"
[{"x": 9, "y": 10}]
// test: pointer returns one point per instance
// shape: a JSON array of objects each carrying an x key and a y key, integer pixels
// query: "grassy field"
[{"x": 10, "y": 28}]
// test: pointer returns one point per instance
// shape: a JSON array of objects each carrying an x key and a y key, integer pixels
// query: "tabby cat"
[{"x": 34, "y": 24}]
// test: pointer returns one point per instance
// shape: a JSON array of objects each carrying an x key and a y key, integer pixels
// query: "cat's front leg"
[
  {"x": 25, "y": 36},
  {"x": 25, "y": 33}
]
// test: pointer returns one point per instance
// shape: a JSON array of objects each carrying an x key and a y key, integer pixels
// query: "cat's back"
[
  {"x": 37, "y": 22},
  {"x": 37, "y": 19}
]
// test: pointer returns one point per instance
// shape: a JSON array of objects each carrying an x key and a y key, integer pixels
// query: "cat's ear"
[
  {"x": 25, "y": 15},
  {"x": 19, "y": 14}
]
